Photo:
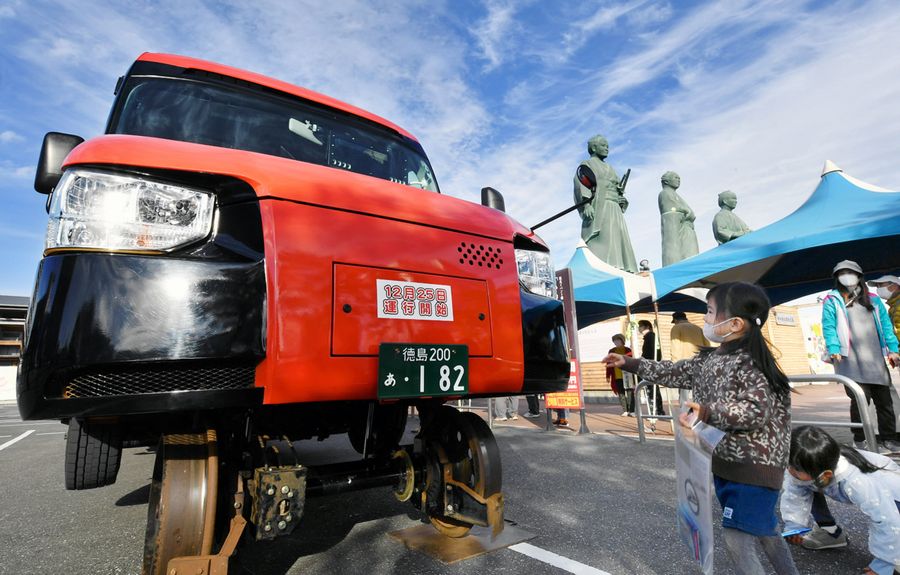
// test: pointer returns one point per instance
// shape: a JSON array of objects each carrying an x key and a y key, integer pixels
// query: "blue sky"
[{"x": 750, "y": 96}]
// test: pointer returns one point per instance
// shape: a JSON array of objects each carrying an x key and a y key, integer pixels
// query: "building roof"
[{"x": 14, "y": 301}]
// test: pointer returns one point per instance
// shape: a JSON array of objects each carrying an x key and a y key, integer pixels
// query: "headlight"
[
  {"x": 536, "y": 272},
  {"x": 97, "y": 210}
]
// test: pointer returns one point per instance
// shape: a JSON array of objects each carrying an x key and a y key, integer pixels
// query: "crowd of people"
[
  {"x": 739, "y": 388},
  {"x": 761, "y": 466}
]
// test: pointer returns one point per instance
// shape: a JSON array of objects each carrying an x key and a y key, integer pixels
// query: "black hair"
[
  {"x": 813, "y": 451},
  {"x": 619, "y": 336},
  {"x": 750, "y": 303},
  {"x": 645, "y": 324},
  {"x": 863, "y": 296}
]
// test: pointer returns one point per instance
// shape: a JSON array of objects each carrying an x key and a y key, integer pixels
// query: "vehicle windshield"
[{"x": 203, "y": 113}]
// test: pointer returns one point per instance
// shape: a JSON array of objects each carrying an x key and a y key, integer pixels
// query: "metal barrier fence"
[
  {"x": 639, "y": 414},
  {"x": 867, "y": 425}
]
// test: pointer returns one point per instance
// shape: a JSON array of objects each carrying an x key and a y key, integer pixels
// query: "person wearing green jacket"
[{"x": 888, "y": 289}]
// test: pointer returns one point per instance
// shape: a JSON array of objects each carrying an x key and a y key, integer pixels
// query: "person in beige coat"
[{"x": 687, "y": 338}]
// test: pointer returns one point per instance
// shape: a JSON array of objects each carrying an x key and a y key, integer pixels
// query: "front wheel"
[
  {"x": 465, "y": 441},
  {"x": 93, "y": 454},
  {"x": 181, "y": 517}
]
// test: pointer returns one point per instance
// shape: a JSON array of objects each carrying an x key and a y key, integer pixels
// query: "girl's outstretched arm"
[
  {"x": 679, "y": 374},
  {"x": 665, "y": 373}
]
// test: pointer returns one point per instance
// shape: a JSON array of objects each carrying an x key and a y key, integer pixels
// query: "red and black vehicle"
[{"x": 238, "y": 264}]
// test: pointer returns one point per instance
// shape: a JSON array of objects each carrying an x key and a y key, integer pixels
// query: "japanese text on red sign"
[{"x": 413, "y": 300}]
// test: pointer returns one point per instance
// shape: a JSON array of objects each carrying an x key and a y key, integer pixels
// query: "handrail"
[
  {"x": 867, "y": 425},
  {"x": 637, "y": 409}
]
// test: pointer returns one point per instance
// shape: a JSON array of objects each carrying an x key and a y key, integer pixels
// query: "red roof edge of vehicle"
[{"x": 188, "y": 62}]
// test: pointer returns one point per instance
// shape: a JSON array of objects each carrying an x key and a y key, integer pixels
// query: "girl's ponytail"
[{"x": 856, "y": 458}]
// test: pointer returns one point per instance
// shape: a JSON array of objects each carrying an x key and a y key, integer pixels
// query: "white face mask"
[
  {"x": 709, "y": 331},
  {"x": 884, "y": 292},
  {"x": 849, "y": 280}
]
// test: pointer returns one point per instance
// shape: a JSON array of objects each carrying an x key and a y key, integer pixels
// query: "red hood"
[{"x": 282, "y": 178}]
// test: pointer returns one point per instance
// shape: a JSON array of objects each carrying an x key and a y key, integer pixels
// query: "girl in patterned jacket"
[
  {"x": 738, "y": 388},
  {"x": 867, "y": 480}
]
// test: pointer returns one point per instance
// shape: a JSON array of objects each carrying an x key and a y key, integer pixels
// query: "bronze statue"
[
  {"x": 603, "y": 226},
  {"x": 727, "y": 225},
  {"x": 679, "y": 240}
]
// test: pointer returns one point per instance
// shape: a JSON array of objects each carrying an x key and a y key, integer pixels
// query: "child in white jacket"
[{"x": 867, "y": 480}]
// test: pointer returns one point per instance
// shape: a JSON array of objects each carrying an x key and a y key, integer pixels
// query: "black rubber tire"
[{"x": 93, "y": 455}]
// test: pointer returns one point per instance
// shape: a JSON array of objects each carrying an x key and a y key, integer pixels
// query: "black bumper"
[
  {"x": 545, "y": 344},
  {"x": 97, "y": 321}
]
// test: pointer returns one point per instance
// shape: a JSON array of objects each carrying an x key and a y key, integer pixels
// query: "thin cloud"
[
  {"x": 8, "y": 136},
  {"x": 17, "y": 172},
  {"x": 493, "y": 32},
  {"x": 664, "y": 49},
  {"x": 604, "y": 18},
  {"x": 652, "y": 57},
  {"x": 652, "y": 15}
]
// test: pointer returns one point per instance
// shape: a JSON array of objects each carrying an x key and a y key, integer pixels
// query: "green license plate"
[{"x": 422, "y": 370}]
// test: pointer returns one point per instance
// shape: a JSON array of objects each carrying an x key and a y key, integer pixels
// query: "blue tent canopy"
[
  {"x": 602, "y": 292},
  {"x": 595, "y": 285},
  {"x": 844, "y": 218}
]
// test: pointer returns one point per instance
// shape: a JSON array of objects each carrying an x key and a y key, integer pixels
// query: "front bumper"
[
  {"x": 97, "y": 321},
  {"x": 545, "y": 344}
]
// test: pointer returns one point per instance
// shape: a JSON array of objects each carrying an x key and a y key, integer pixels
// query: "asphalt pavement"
[{"x": 597, "y": 503}]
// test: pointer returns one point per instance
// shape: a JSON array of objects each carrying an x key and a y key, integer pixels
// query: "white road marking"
[
  {"x": 559, "y": 561},
  {"x": 16, "y": 439},
  {"x": 29, "y": 424},
  {"x": 50, "y": 433}
]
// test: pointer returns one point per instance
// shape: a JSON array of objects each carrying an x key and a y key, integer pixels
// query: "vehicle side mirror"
[
  {"x": 587, "y": 178},
  {"x": 492, "y": 199},
  {"x": 54, "y": 150}
]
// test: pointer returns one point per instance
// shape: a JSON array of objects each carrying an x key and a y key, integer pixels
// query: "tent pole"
[
  {"x": 628, "y": 326},
  {"x": 636, "y": 399},
  {"x": 659, "y": 346}
]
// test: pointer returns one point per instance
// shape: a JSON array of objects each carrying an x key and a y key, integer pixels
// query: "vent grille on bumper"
[{"x": 159, "y": 381}]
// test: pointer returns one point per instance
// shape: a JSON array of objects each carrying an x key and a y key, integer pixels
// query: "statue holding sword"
[{"x": 603, "y": 226}]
